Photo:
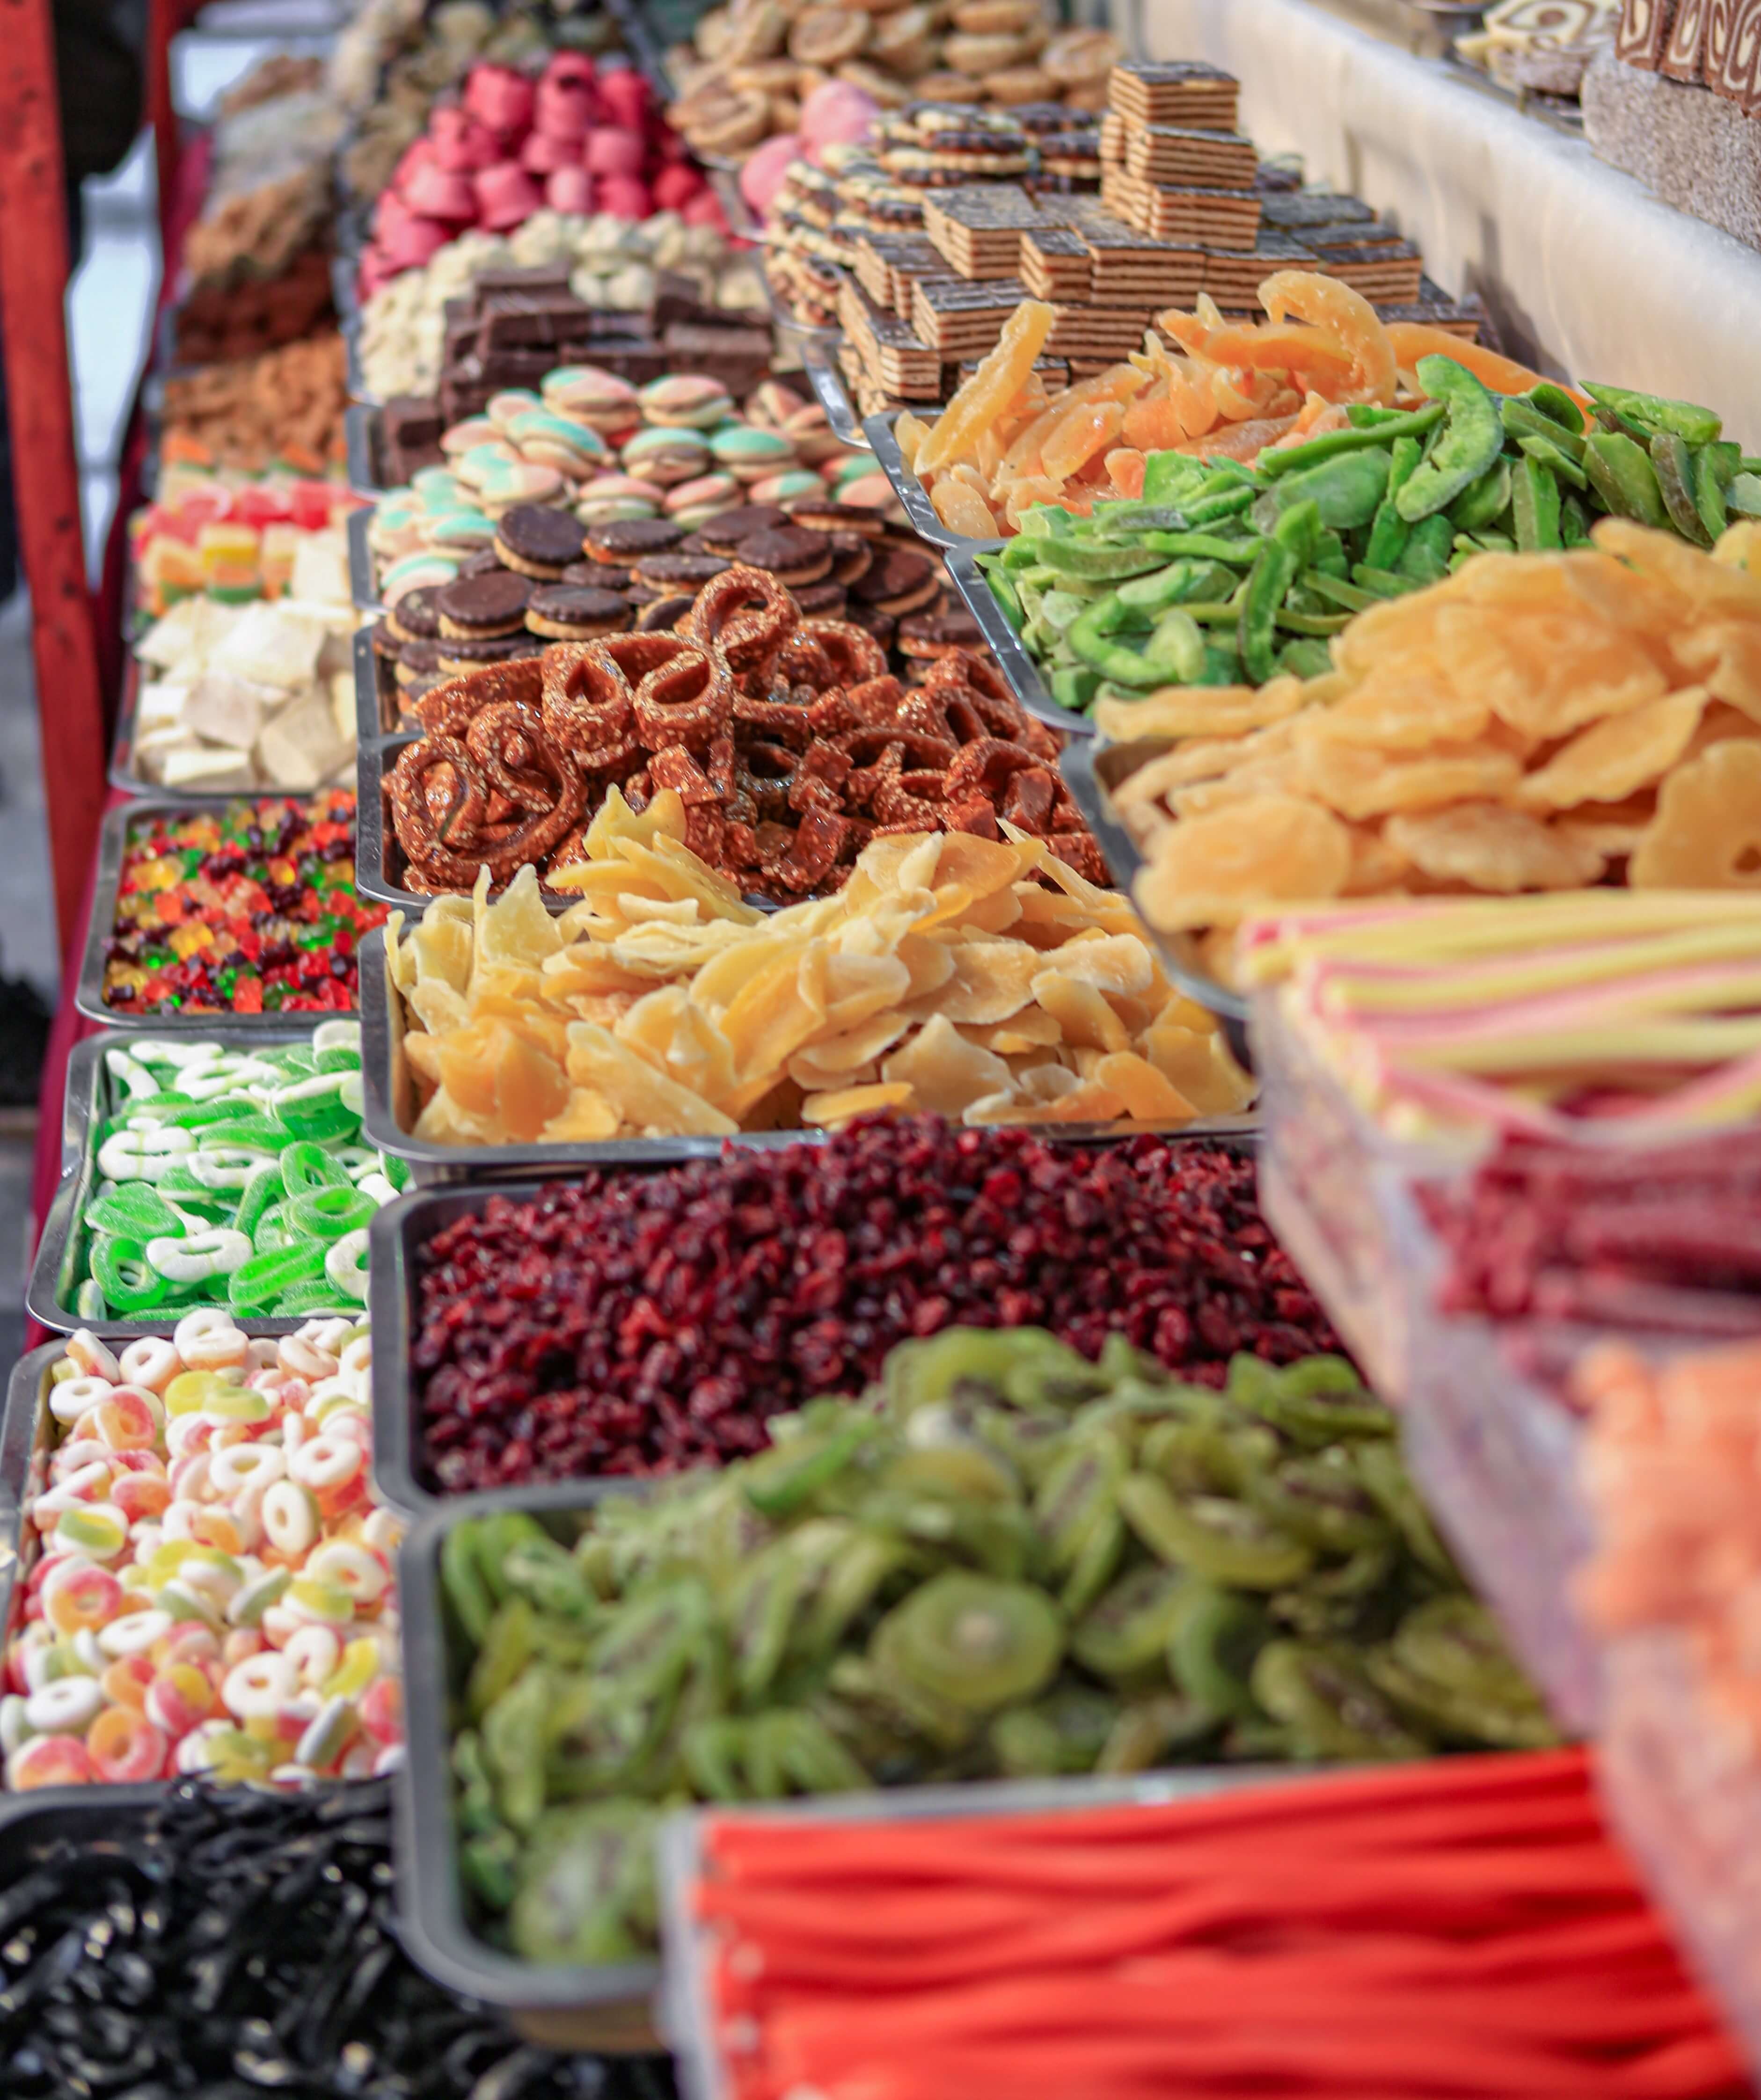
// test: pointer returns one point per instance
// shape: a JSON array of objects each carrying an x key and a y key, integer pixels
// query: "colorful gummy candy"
[
  {"x": 249, "y": 908},
  {"x": 232, "y": 1177},
  {"x": 214, "y": 1590}
]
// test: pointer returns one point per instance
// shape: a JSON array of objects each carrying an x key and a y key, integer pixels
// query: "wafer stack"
[
  {"x": 958, "y": 319},
  {"x": 1136, "y": 271},
  {"x": 1295, "y": 211},
  {"x": 979, "y": 229},
  {"x": 888, "y": 264},
  {"x": 1232, "y": 276},
  {"x": 894, "y": 357},
  {"x": 1380, "y": 268},
  {"x": 1055, "y": 264},
  {"x": 1096, "y": 335},
  {"x": 1229, "y": 218},
  {"x": 1178, "y": 91}
]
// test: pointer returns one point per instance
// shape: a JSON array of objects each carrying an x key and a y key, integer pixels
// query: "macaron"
[
  {"x": 781, "y": 487},
  {"x": 457, "y": 531},
  {"x": 438, "y": 488},
  {"x": 519, "y": 481},
  {"x": 575, "y": 612},
  {"x": 665, "y": 456},
  {"x": 472, "y": 466},
  {"x": 412, "y": 572},
  {"x": 395, "y": 527},
  {"x": 684, "y": 400},
  {"x": 573, "y": 448},
  {"x": 748, "y": 453},
  {"x": 694, "y": 502},
  {"x": 871, "y": 487},
  {"x": 535, "y": 541},
  {"x": 618, "y": 495},
  {"x": 771, "y": 403},
  {"x": 458, "y": 439},
  {"x": 608, "y": 402},
  {"x": 503, "y": 408}
]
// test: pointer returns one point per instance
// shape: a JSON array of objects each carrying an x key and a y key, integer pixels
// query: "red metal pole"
[
  {"x": 33, "y": 274},
  {"x": 162, "y": 24}
]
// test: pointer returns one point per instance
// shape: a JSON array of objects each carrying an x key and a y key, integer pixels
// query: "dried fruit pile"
[
  {"x": 1224, "y": 573},
  {"x": 246, "y": 909},
  {"x": 1006, "y": 1562},
  {"x": 644, "y": 1323},
  {"x": 1535, "y": 721},
  {"x": 962, "y": 976},
  {"x": 223, "y": 1944}
]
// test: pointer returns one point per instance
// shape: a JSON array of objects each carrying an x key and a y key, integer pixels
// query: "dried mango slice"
[
  {"x": 991, "y": 388},
  {"x": 945, "y": 1072},
  {"x": 1491, "y": 848},
  {"x": 1360, "y": 783},
  {"x": 825, "y": 1109},
  {"x": 1211, "y": 871},
  {"x": 1706, "y": 834},
  {"x": 1614, "y": 759}
]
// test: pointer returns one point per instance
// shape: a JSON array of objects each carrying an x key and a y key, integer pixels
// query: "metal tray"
[
  {"x": 375, "y": 699},
  {"x": 828, "y": 384},
  {"x": 1004, "y": 643},
  {"x": 82, "y": 1813},
  {"x": 122, "y": 774},
  {"x": 606, "y": 2008},
  {"x": 360, "y": 442},
  {"x": 883, "y": 442},
  {"x": 88, "y": 991},
  {"x": 374, "y": 839},
  {"x": 1091, "y": 770},
  {"x": 363, "y": 584},
  {"x": 84, "y": 1103},
  {"x": 399, "y": 1230}
]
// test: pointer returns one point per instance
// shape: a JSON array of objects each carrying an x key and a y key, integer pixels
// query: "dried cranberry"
[{"x": 639, "y": 1323}]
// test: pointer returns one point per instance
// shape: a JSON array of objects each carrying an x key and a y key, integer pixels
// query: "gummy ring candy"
[
  {"x": 48, "y": 1761},
  {"x": 179, "y": 1696},
  {"x": 307, "y": 1166},
  {"x": 124, "y": 1271},
  {"x": 228, "y": 1166},
  {"x": 133, "y": 1634},
  {"x": 290, "y": 1517},
  {"x": 99, "y": 1529},
  {"x": 243, "y": 1465},
  {"x": 350, "y": 1566},
  {"x": 261, "y": 1280},
  {"x": 68, "y": 1706},
  {"x": 75, "y": 1396},
  {"x": 258, "y": 1689},
  {"x": 76, "y": 1595},
  {"x": 123, "y": 1745},
  {"x": 128, "y": 1420},
  {"x": 124, "y": 1683},
  {"x": 326, "y": 1461},
  {"x": 381, "y": 1710},
  {"x": 329, "y": 1213},
  {"x": 315, "y": 1108},
  {"x": 143, "y": 1154},
  {"x": 346, "y": 1264},
  {"x": 314, "y": 1651},
  {"x": 305, "y": 1360},
  {"x": 218, "y": 1251},
  {"x": 89, "y": 1355},
  {"x": 151, "y": 1361},
  {"x": 327, "y": 1734},
  {"x": 208, "y": 1340}
]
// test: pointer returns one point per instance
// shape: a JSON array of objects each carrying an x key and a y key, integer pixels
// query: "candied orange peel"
[{"x": 980, "y": 979}]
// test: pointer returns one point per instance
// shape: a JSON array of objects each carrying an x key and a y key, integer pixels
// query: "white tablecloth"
[{"x": 1586, "y": 274}]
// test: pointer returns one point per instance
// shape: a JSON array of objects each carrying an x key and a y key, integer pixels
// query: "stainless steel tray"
[
  {"x": 375, "y": 699},
  {"x": 606, "y": 2009},
  {"x": 363, "y": 583},
  {"x": 1005, "y": 644},
  {"x": 400, "y": 1230},
  {"x": 883, "y": 442},
  {"x": 375, "y": 841},
  {"x": 1091, "y": 770},
  {"x": 113, "y": 840},
  {"x": 828, "y": 384},
  {"x": 49, "y": 1294},
  {"x": 361, "y": 442}
]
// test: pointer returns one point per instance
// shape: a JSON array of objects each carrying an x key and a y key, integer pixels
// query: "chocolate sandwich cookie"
[
  {"x": 664, "y": 614},
  {"x": 386, "y": 643},
  {"x": 417, "y": 662},
  {"x": 415, "y": 616},
  {"x": 825, "y": 514},
  {"x": 575, "y": 612},
  {"x": 538, "y": 542},
  {"x": 485, "y": 561},
  {"x": 622, "y": 541},
  {"x": 459, "y": 654},
  {"x": 673, "y": 572},
  {"x": 823, "y": 601},
  {"x": 926, "y": 636},
  {"x": 900, "y": 581},
  {"x": 479, "y": 608},
  {"x": 881, "y": 625},
  {"x": 596, "y": 576},
  {"x": 722, "y": 534},
  {"x": 793, "y": 554}
]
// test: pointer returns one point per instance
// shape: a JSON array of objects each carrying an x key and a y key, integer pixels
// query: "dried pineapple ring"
[
  {"x": 1493, "y": 849},
  {"x": 1706, "y": 834}
]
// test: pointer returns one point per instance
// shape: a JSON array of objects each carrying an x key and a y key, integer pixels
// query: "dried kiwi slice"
[
  {"x": 586, "y": 1890},
  {"x": 1098, "y": 1554},
  {"x": 1065, "y": 1732},
  {"x": 1077, "y": 1492},
  {"x": 1225, "y": 1541},
  {"x": 1322, "y": 1500},
  {"x": 1456, "y": 1714},
  {"x": 1151, "y": 1730},
  {"x": 976, "y": 1642},
  {"x": 1319, "y": 1400},
  {"x": 1456, "y": 1642},
  {"x": 1383, "y": 1473},
  {"x": 1211, "y": 1651},
  {"x": 919, "y": 1373},
  {"x": 1129, "y": 1628},
  {"x": 1323, "y": 1696}
]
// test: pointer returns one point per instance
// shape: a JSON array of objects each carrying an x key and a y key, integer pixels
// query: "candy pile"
[
  {"x": 1534, "y": 721},
  {"x": 576, "y": 139},
  {"x": 1667, "y": 1459},
  {"x": 214, "y": 1944},
  {"x": 592, "y": 447},
  {"x": 281, "y": 409},
  {"x": 249, "y": 908},
  {"x": 416, "y": 333},
  {"x": 272, "y": 539},
  {"x": 735, "y": 1018},
  {"x": 212, "y": 1591},
  {"x": 1226, "y": 393},
  {"x": 230, "y": 1176},
  {"x": 1006, "y": 1562},
  {"x": 646, "y": 1324},
  {"x": 789, "y": 743},
  {"x": 1602, "y": 1018},
  {"x": 1465, "y": 1926},
  {"x": 236, "y": 694},
  {"x": 1660, "y": 1241},
  {"x": 1224, "y": 573}
]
